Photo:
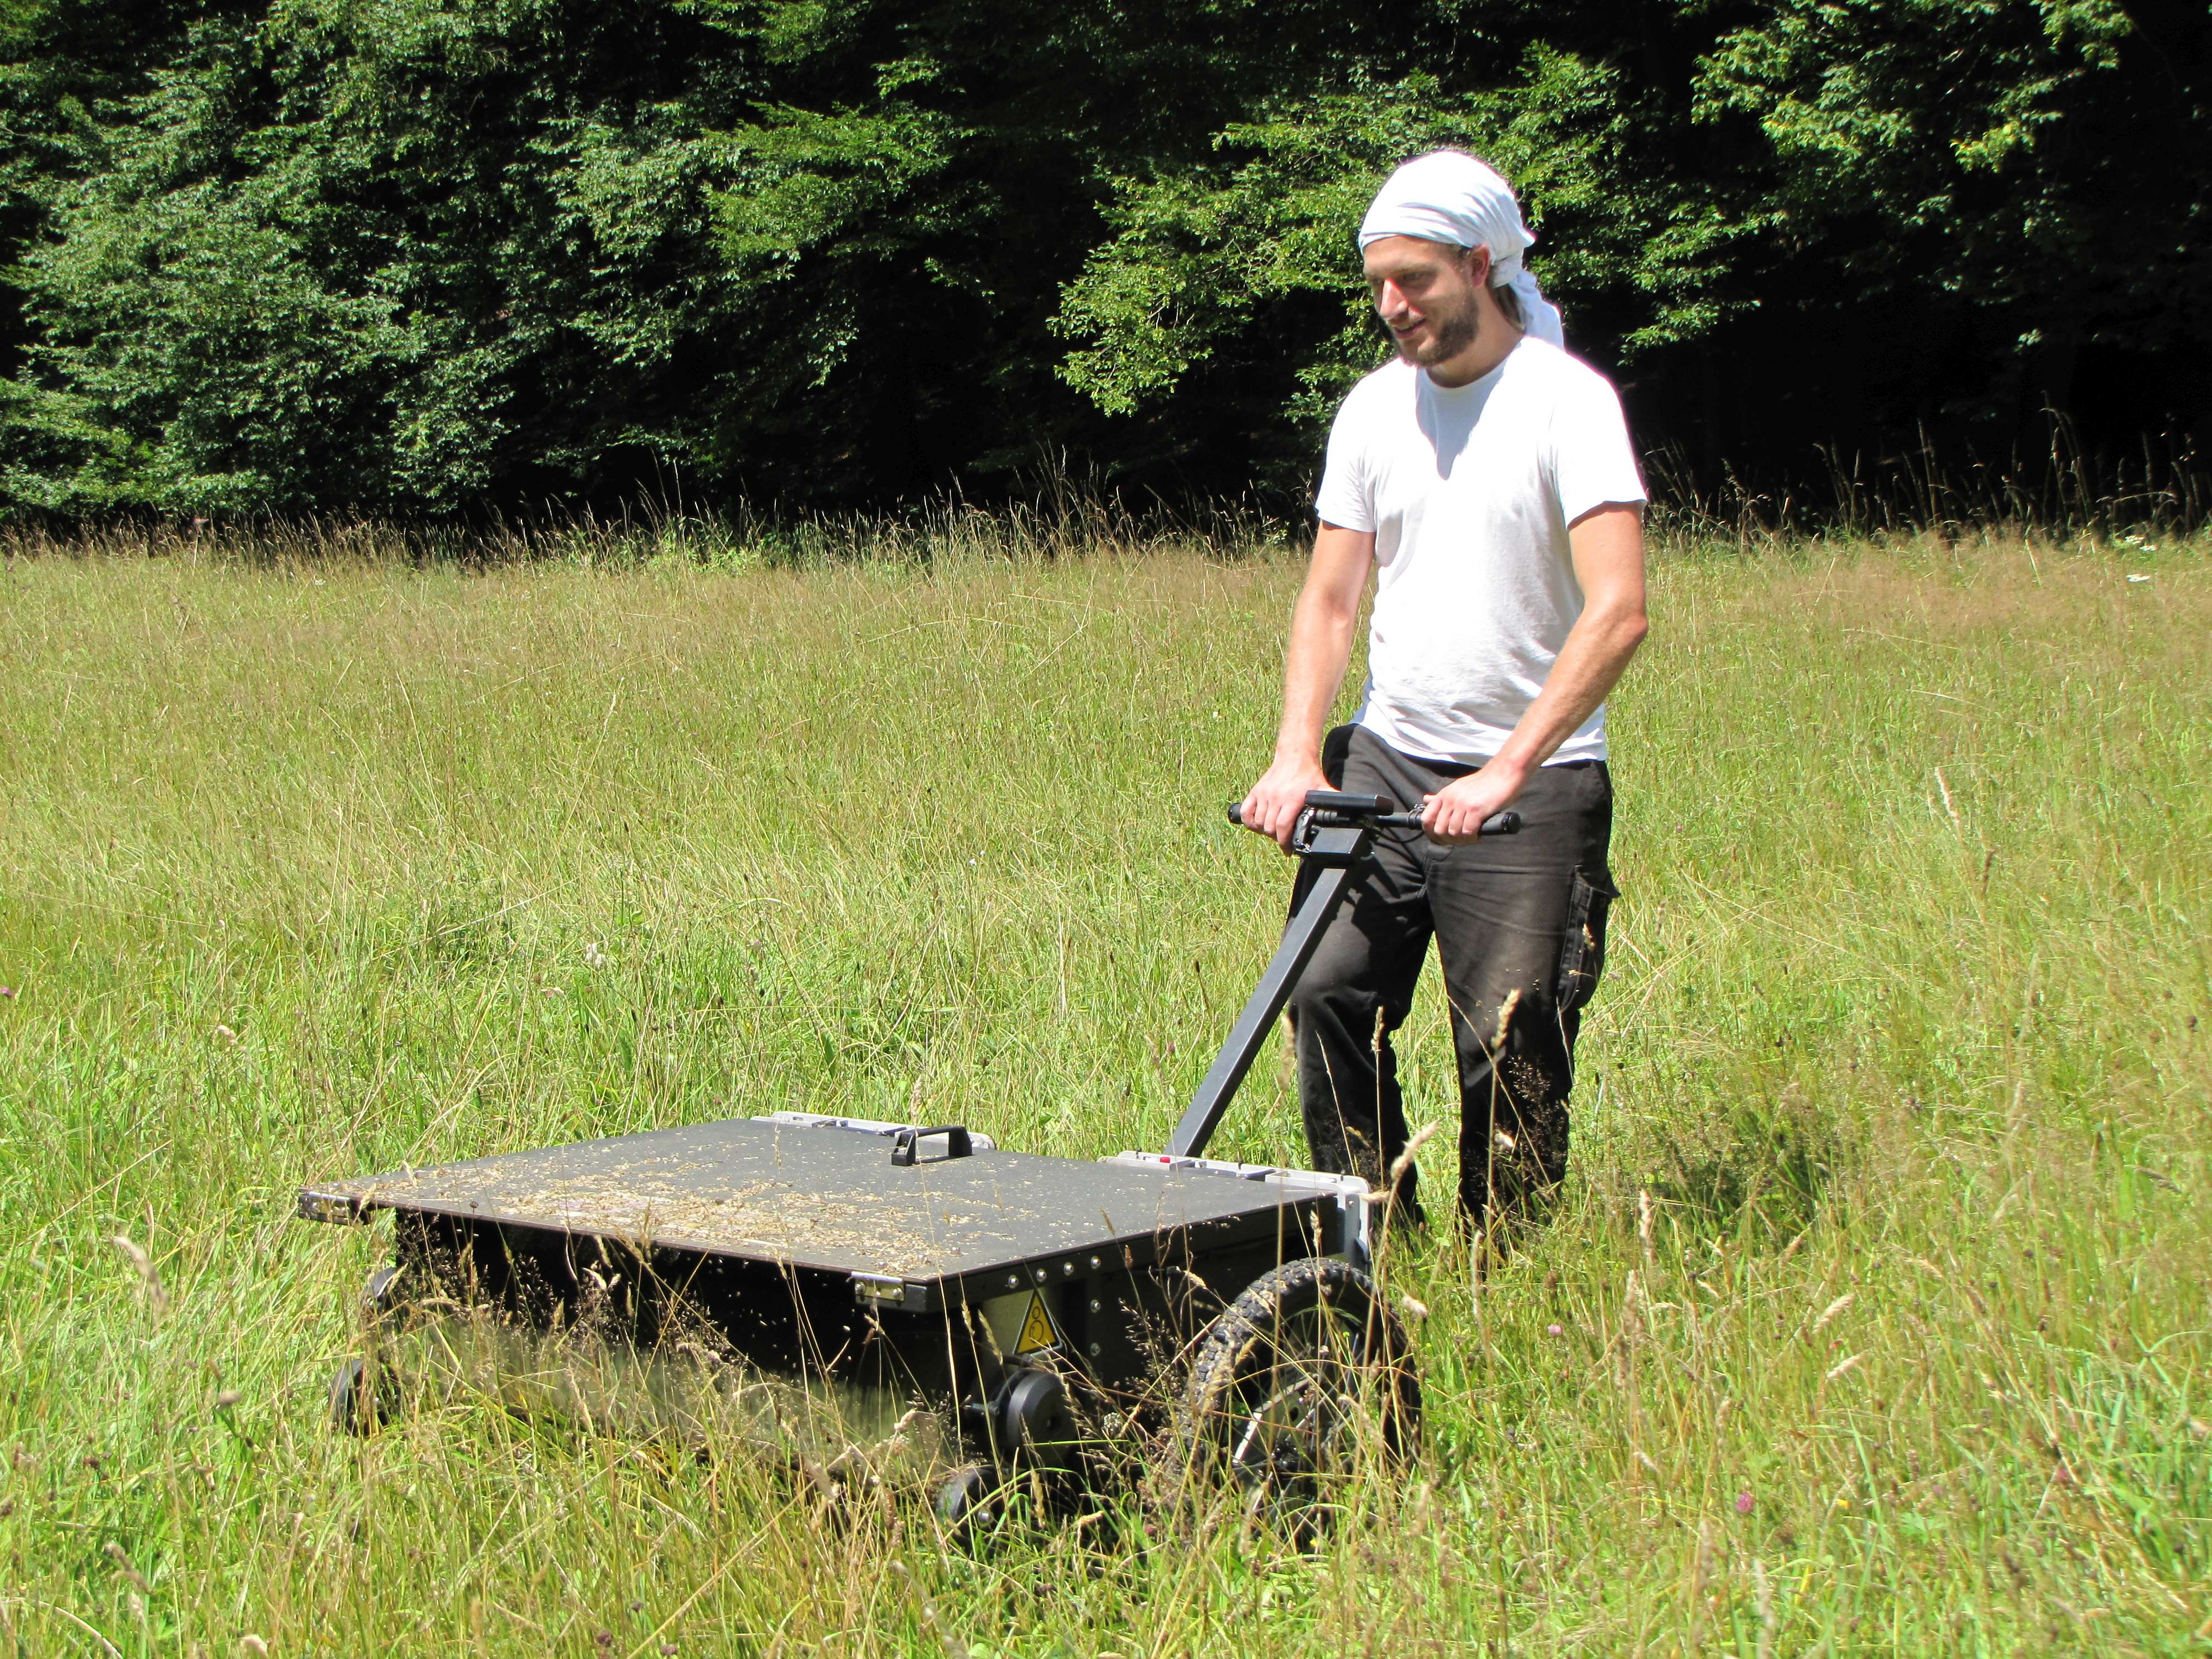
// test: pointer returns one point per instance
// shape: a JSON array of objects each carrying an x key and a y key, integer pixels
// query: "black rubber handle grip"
[
  {"x": 1507, "y": 823},
  {"x": 1331, "y": 800}
]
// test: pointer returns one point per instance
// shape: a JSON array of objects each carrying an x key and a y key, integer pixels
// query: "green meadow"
[{"x": 1874, "y": 1317}]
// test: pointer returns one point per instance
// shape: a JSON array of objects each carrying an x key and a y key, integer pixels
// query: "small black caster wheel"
[
  {"x": 1036, "y": 1422},
  {"x": 360, "y": 1401},
  {"x": 376, "y": 1296},
  {"x": 967, "y": 1500}
]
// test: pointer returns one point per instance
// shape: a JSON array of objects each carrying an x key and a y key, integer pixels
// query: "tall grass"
[
  {"x": 1875, "y": 1318},
  {"x": 2157, "y": 487},
  {"x": 1068, "y": 517}
]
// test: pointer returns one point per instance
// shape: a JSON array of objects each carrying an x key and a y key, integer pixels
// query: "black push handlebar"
[
  {"x": 1335, "y": 834},
  {"x": 1333, "y": 808}
]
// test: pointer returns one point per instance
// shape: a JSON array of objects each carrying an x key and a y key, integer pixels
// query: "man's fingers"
[
  {"x": 1445, "y": 819},
  {"x": 1262, "y": 813},
  {"x": 1451, "y": 821}
]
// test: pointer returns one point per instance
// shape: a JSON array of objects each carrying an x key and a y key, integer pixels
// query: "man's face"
[{"x": 1426, "y": 294}]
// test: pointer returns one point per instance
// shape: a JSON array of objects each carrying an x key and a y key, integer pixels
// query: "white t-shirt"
[{"x": 1469, "y": 491}]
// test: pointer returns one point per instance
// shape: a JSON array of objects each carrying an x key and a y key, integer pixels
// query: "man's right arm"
[{"x": 1320, "y": 645}]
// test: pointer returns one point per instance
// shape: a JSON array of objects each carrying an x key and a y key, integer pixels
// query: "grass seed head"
[
  {"x": 149, "y": 1280},
  {"x": 1404, "y": 1161},
  {"x": 115, "y": 1552},
  {"x": 1505, "y": 1019}
]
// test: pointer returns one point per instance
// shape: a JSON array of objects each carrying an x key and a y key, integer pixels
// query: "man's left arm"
[{"x": 1607, "y": 543}]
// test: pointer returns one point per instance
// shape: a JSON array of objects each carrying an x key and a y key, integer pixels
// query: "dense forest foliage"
[{"x": 429, "y": 257}]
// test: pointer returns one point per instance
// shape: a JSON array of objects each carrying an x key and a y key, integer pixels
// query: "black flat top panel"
[{"x": 813, "y": 1197}]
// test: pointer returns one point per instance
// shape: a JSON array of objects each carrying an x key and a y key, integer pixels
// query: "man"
[{"x": 1486, "y": 478}]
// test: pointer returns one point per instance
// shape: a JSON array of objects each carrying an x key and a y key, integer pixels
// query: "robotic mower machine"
[{"x": 813, "y": 1280}]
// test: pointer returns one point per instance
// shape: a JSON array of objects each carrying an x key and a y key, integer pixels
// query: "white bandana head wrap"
[{"x": 1447, "y": 196}]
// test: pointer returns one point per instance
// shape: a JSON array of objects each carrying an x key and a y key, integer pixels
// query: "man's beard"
[{"x": 1449, "y": 336}]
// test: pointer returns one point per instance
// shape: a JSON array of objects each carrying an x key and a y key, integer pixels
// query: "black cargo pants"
[{"x": 1519, "y": 923}]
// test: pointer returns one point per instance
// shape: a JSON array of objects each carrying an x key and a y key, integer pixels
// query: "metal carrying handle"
[
  {"x": 906, "y": 1145},
  {"x": 1332, "y": 809}
]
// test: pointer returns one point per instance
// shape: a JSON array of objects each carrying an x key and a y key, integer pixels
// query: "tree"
[
  {"x": 390, "y": 254},
  {"x": 1228, "y": 256},
  {"x": 441, "y": 256}
]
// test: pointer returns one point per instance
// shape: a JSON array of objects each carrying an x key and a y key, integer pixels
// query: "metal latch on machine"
[{"x": 885, "y": 1291}]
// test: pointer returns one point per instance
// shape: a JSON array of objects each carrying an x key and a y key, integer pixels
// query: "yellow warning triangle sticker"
[{"x": 1037, "y": 1328}]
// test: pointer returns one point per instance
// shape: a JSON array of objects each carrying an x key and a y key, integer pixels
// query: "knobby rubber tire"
[
  {"x": 362, "y": 1397},
  {"x": 1304, "y": 1374}
]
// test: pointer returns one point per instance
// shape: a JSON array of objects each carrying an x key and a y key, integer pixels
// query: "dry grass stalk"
[
  {"x": 1834, "y": 1308},
  {"x": 1420, "y": 1138},
  {"x": 149, "y": 1281}
]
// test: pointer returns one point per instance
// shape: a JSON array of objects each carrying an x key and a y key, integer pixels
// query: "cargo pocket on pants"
[{"x": 1581, "y": 952}]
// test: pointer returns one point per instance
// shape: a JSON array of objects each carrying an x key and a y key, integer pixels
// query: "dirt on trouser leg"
[
  {"x": 1513, "y": 1157},
  {"x": 1519, "y": 924}
]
